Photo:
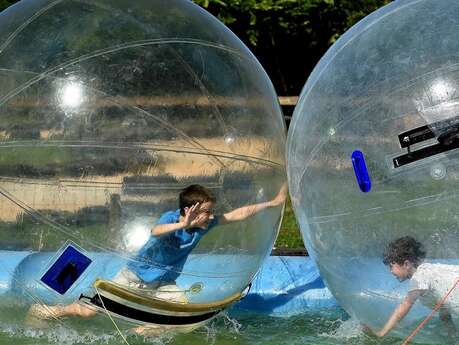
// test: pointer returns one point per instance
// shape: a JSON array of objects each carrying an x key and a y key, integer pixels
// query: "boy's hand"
[
  {"x": 200, "y": 221},
  {"x": 367, "y": 330},
  {"x": 281, "y": 196},
  {"x": 191, "y": 216}
]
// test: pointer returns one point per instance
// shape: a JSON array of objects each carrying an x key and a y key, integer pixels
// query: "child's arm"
[
  {"x": 162, "y": 229},
  {"x": 189, "y": 220},
  {"x": 399, "y": 313},
  {"x": 250, "y": 210}
]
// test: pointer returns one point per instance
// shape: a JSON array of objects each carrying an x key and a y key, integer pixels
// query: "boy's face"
[
  {"x": 205, "y": 214},
  {"x": 402, "y": 271}
]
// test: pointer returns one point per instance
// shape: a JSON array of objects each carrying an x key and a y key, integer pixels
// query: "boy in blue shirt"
[{"x": 175, "y": 234}]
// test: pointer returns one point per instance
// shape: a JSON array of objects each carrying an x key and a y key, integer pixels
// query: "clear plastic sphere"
[
  {"x": 108, "y": 109},
  {"x": 385, "y": 91}
]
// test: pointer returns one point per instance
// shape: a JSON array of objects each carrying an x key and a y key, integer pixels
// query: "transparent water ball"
[
  {"x": 108, "y": 110},
  {"x": 383, "y": 98}
]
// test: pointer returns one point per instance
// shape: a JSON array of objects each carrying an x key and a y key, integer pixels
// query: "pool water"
[{"x": 330, "y": 327}]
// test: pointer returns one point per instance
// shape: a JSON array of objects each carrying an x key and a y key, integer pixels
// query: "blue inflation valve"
[
  {"x": 361, "y": 171},
  {"x": 67, "y": 268}
]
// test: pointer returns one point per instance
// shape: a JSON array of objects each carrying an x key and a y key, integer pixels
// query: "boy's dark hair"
[
  {"x": 193, "y": 194},
  {"x": 402, "y": 249}
]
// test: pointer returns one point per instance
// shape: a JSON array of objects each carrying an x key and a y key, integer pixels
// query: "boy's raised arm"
[
  {"x": 162, "y": 229},
  {"x": 245, "y": 212}
]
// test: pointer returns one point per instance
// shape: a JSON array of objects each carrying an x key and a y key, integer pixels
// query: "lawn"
[{"x": 289, "y": 235}]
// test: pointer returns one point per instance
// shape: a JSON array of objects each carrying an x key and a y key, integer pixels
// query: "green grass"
[
  {"x": 34, "y": 156},
  {"x": 289, "y": 235}
]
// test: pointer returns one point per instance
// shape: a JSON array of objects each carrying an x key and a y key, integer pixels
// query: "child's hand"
[
  {"x": 281, "y": 196},
  {"x": 200, "y": 221},
  {"x": 191, "y": 215},
  {"x": 367, "y": 330}
]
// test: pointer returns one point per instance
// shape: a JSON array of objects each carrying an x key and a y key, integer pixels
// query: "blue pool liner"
[{"x": 284, "y": 286}]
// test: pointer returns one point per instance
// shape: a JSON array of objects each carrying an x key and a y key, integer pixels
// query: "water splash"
[
  {"x": 55, "y": 335},
  {"x": 347, "y": 329}
]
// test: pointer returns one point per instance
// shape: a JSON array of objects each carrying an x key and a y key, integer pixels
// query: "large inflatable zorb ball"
[
  {"x": 373, "y": 154},
  {"x": 108, "y": 109}
]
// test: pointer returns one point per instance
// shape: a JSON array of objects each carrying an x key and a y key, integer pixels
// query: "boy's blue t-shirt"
[{"x": 163, "y": 257}]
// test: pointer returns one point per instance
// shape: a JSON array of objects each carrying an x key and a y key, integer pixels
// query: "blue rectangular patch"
[{"x": 68, "y": 267}]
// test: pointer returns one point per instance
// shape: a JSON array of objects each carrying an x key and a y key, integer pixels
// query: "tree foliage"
[
  {"x": 287, "y": 36},
  {"x": 5, "y": 3}
]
